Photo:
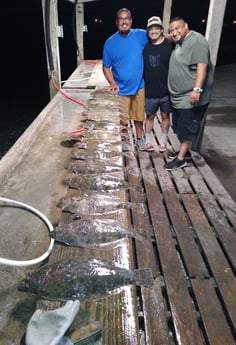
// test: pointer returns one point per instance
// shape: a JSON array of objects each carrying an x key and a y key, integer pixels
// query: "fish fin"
[
  {"x": 53, "y": 234},
  {"x": 144, "y": 277},
  {"x": 62, "y": 242},
  {"x": 141, "y": 237}
]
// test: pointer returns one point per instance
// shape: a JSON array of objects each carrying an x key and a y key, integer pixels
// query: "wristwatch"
[{"x": 197, "y": 89}]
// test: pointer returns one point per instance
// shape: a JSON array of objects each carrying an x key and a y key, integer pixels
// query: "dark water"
[{"x": 24, "y": 76}]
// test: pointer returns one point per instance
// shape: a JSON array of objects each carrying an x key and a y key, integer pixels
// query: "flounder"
[
  {"x": 92, "y": 167},
  {"x": 103, "y": 183},
  {"x": 97, "y": 204},
  {"x": 83, "y": 280},
  {"x": 92, "y": 233}
]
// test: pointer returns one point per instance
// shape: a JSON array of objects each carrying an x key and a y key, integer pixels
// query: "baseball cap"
[{"x": 154, "y": 21}]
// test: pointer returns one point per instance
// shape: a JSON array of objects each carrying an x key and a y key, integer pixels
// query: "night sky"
[
  {"x": 24, "y": 77},
  {"x": 105, "y": 11}
]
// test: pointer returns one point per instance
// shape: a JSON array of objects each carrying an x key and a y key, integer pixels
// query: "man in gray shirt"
[{"x": 190, "y": 82}]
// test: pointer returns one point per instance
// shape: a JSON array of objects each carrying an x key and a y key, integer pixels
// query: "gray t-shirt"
[{"x": 182, "y": 71}]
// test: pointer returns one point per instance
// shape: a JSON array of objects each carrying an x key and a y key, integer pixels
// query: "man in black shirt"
[{"x": 156, "y": 56}]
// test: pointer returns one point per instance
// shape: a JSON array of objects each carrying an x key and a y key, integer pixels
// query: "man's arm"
[
  {"x": 109, "y": 77},
  {"x": 200, "y": 78},
  {"x": 200, "y": 74}
]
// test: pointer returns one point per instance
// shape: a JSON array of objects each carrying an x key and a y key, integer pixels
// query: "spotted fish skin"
[
  {"x": 83, "y": 280},
  {"x": 97, "y": 204},
  {"x": 91, "y": 167},
  {"x": 102, "y": 182},
  {"x": 101, "y": 155},
  {"x": 92, "y": 233}
]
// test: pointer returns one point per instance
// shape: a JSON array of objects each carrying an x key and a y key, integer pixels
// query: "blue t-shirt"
[{"x": 124, "y": 55}]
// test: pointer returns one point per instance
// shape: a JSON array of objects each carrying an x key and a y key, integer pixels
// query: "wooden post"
[
  {"x": 166, "y": 15},
  {"x": 54, "y": 32},
  {"x": 213, "y": 33},
  {"x": 214, "y": 26},
  {"x": 80, "y": 28}
]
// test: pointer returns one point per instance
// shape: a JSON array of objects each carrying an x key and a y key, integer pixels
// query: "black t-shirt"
[{"x": 156, "y": 66}]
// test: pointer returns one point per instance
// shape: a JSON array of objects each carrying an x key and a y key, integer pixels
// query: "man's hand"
[
  {"x": 194, "y": 98},
  {"x": 113, "y": 88}
]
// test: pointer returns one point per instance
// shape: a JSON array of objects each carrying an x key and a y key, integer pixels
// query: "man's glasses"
[{"x": 120, "y": 19}]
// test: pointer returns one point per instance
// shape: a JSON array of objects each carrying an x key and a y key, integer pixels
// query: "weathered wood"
[
  {"x": 213, "y": 317},
  {"x": 174, "y": 275},
  {"x": 181, "y": 227},
  {"x": 216, "y": 188},
  {"x": 216, "y": 260},
  {"x": 216, "y": 216},
  {"x": 156, "y": 315},
  {"x": 182, "y": 244},
  {"x": 214, "y": 26},
  {"x": 144, "y": 248}
]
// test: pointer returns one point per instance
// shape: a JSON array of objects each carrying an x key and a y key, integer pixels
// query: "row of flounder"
[{"x": 97, "y": 155}]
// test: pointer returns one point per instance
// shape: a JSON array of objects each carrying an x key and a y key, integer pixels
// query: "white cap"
[{"x": 154, "y": 21}]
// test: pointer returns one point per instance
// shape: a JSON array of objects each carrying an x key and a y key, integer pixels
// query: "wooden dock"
[
  {"x": 185, "y": 237},
  {"x": 189, "y": 245}
]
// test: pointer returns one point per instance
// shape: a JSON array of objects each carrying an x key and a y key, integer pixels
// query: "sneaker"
[
  {"x": 149, "y": 147},
  {"x": 162, "y": 148},
  {"x": 175, "y": 164},
  {"x": 173, "y": 155},
  {"x": 140, "y": 144}
]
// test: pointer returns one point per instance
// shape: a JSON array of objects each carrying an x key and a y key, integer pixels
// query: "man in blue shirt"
[{"x": 123, "y": 69}]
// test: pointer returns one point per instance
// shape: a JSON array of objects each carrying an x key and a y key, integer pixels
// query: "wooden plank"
[
  {"x": 156, "y": 315},
  {"x": 181, "y": 305},
  {"x": 223, "y": 198},
  {"x": 186, "y": 332},
  {"x": 221, "y": 195},
  {"x": 212, "y": 315},
  {"x": 144, "y": 253},
  {"x": 217, "y": 204},
  {"x": 216, "y": 260},
  {"x": 216, "y": 216},
  {"x": 189, "y": 250}
]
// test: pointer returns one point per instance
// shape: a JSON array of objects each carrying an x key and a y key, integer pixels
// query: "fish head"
[
  {"x": 28, "y": 285},
  {"x": 37, "y": 281}
]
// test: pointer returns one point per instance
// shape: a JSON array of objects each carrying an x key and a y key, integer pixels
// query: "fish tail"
[
  {"x": 139, "y": 207},
  {"x": 137, "y": 188},
  {"x": 141, "y": 237},
  {"x": 144, "y": 277}
]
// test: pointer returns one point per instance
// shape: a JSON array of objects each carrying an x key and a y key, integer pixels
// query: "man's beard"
[{"x": 125, "y": 32}]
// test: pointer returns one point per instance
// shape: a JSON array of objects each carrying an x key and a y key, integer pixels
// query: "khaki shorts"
[{"x": 134, "y": 106}]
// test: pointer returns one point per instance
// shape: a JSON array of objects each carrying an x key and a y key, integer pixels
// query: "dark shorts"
[
  {"x": 186, "y": 122},
  {"x": 152, "y": 105}
]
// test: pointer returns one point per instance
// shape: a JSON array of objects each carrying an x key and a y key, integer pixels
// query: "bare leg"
[
  {"x": 139, "y": 129},
  {"x": 149, "y": 123},
  {"x": 165, "y": 125},
  {"x": 185, "y": 146}
]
